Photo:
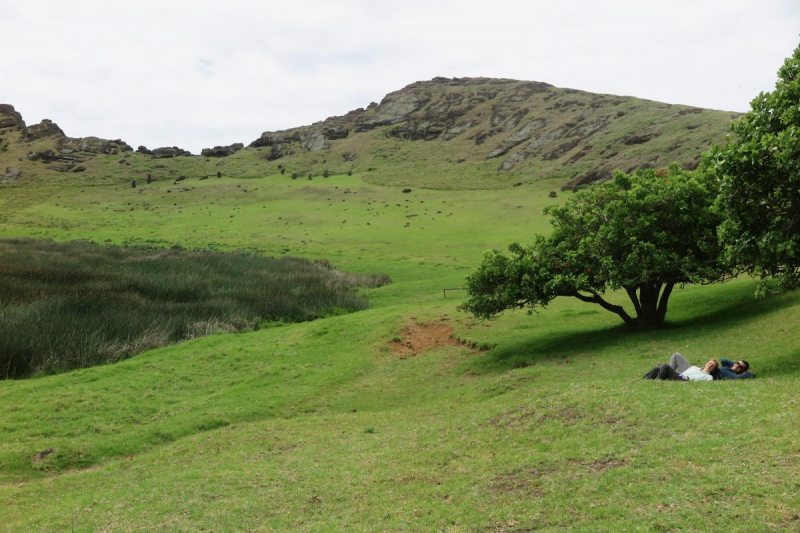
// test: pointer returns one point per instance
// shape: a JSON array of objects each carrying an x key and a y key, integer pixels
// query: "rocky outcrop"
[
  {"x": 92, "y": 145},
  {"x": 62, "y": 153},
  {"x": 222, "y": 151},
  {"x": 276, "y": 138},
  {"x": 167, "y": 152},
  {"x": 308, "y": 138},
  {"x": 520, "y": 136},
  {"x": 392, "y": 109},
  {"x": 10, "y": 118},
  {"x": 529, "y": 127},
  {"x": 422, "y": 111},
  {"x": 546, "y": 144},
  {"x": 11, "y": 174},
  {"x": 46, "y": 128},
  {"x": 418, "y": 131}
]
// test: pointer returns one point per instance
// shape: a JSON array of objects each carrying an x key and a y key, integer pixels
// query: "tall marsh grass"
[{"x": 72, "y": 305}]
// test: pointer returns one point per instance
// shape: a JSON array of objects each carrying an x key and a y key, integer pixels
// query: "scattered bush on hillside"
[
  {"x": 65, "y": 306},
  {"x": 645, "y": 233},
  {"x": 759, "y": 173}
]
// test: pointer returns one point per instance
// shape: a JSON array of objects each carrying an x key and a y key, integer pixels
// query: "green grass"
[{"x": 319, "y": 427}]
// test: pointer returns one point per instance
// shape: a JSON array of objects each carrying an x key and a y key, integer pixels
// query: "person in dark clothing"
[
  {"x": 734, "y": 370},
  {"x": 678, "y": 364}
]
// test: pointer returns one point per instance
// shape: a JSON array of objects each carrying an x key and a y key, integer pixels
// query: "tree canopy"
[
  {"x": 645, "y": 233},
  {"x": 759, "y": 175}
]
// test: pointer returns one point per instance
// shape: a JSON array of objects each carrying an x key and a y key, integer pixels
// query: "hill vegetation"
[
  {"x": 409, "y": 415},
  {"x": 67, "y": 306},
  {"x": 461, "y": 133}
]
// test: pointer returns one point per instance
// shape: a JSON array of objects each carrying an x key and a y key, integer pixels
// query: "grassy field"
[{"x": 331, "y": 426}]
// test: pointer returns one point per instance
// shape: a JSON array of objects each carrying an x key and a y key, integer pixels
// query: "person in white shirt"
[{"x": 679, "y": 369}]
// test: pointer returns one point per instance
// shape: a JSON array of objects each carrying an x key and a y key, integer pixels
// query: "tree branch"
[
  {"x": 662, "y": 304},
  {"x": 634, "y": 298},
  {"x": 597, "y": 299}
]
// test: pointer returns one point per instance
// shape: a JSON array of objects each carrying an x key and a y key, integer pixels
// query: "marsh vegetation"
[{"x": 72, "y": 305}]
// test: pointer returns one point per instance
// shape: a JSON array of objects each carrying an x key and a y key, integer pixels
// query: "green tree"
[
  {"x": 759, "y": 177},
  {"x": 643, "y": 233}
]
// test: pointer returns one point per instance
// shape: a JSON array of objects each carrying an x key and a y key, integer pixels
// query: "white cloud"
[{"x": 196, "y": 74}]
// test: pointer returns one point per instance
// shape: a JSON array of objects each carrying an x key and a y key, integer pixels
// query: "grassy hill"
[
  {"x": 461, "y": 133},
  {"x": 379, "y": 420}
]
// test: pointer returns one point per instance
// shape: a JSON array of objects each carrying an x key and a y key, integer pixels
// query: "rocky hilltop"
[
  {"x": 446, "y": 132},
  {"x": 48, "y": 143},
  {"x": 523, "y": 126}
]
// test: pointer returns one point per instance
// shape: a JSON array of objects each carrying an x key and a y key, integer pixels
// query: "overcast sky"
[{"x": 197, "y": 74}]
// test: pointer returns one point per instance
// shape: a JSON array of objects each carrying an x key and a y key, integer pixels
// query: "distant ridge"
[{"x": 447, "y": 126}]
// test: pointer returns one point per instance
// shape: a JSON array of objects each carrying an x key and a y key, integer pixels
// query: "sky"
[{"x": 199, "y": 74}]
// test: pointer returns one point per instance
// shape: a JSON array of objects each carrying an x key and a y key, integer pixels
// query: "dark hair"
[{"x": 746, "y": 365}]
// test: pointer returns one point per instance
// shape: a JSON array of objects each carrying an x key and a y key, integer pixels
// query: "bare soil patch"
[{"x": 419, "y": 337}]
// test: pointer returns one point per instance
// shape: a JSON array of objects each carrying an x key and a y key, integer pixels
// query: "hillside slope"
[
  {"x": 352, "y": 422},
  {"x": 470, "y": 133}
]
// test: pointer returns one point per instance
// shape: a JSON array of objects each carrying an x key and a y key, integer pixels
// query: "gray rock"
[
  {"x": 166, "y": 152},
  {"x": 522, "y": 135},
  {"x": 222, "y": 151},
  {"x": 12, "y": 174},
  {"x": 391, "y": 110},
  {"x": 46, "y": 128},
  {"x": 314, "y": 142},
  {"x": 66, "y": 167},
  {"x": 92, "y": 145},
  {"x": 417, "y": 131},
  {"x": 514, "y": 120},
  {"x": 513, "y": 160},
  {"x": 276, "y": 138},
  {"x": 311, "y": 138},
  {"x": 10, "y": 118}
]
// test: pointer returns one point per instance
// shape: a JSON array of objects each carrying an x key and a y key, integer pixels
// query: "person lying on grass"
[
  {"x": 734, "y": 370},
  {"x": 679, "y": 369}
]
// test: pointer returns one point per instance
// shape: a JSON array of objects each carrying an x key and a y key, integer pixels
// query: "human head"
[
  {"x": 711, "y": 366},
  {"x": 741, "y": 366}
]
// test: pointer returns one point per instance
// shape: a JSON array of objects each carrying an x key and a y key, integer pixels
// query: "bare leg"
[{"x": 679, "y": 362}]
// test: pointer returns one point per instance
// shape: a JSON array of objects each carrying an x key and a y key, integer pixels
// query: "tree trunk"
[
  {"x": 648, "y": 300},
  {"x": 650, "y": 303}
]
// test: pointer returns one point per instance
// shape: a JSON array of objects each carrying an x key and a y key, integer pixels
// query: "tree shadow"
[
  {"x": 784, "y": 364},
  {"x": 724, "y": 315}
]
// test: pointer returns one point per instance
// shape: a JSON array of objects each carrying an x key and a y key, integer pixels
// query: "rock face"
[
  {"x": 166, "y": 152},
  {"x": 92, "y": 145},
  {"x": 46, "y": 128},
  {"x": 9, "y": 118},
  {"x": 63, "y": 153},
  {"x": 308, "y": 138},
  {"x": 501, "y": 126},
  {"x": 527, "y": 127},
  {"x": 222, "y": 151}
]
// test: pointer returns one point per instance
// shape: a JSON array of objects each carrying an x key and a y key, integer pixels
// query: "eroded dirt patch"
[{"x": 418, "y": 337}]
